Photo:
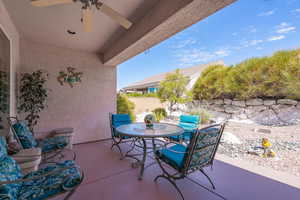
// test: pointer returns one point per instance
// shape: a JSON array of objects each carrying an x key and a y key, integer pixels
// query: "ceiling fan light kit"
[{"x": 87, "y": 6}]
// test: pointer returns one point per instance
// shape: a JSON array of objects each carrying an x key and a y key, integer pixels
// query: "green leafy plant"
[
  {"x": 33, "y": 96},
  {"x": 125, "y": 106},
  {"x": 173, "y": 89},
  {"x": 277, "y": 76},
  {"x": 160, "y": 114},
  {"x": 203, "y": 114}
]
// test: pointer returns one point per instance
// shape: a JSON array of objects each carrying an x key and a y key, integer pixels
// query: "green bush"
[
  {"x": 141, "y": 95},
  {"x": 203, "y": 114},
  {"x": 277, "y": 76},
  {"x": 124, "y": 106},
  {"x": 160, "y": 114}
]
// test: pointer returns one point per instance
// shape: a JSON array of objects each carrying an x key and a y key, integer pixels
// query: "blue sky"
[{"x": 245, "y": 29}]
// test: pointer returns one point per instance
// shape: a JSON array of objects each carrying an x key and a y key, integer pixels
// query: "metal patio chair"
[
  {"x": 190, "y": 124},
  {"x": 117, "y": 120},
  {"x": 52, "y": 147},
  {"x": 52, "y": 180},
  {"x": 197, "y": 155}
]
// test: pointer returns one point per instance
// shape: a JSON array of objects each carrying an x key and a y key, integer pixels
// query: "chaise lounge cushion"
[
  {"x": 174, "y": 159},
  {"x": 25, "y": 135},
  {"x": 9, "y": 171},
  {"x": 53, "y": 143},
  {"x": 45, "y": 187}
]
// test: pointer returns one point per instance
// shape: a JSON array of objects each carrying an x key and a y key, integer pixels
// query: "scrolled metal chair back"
[{"x": 203, "y": 147}]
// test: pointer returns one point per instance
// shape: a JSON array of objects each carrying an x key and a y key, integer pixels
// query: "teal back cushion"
[
  {"x": 189, "y": 122},
  {"x": 25, "y": 135},
  {"x": 120, "y": 119},
  {"x": 206, "y": 142}
]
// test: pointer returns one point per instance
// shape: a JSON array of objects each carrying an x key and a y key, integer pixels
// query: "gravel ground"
[{"x": 285, "y": 142}]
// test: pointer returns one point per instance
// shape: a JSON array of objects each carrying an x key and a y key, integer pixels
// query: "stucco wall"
[
  {"x": 10, "y": 30},
  {"x": 146, "y": 104},
  {"x": 84, "y": 107}
]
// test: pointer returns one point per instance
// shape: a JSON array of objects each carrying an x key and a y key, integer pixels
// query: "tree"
[{"x": 173, "y": 89}]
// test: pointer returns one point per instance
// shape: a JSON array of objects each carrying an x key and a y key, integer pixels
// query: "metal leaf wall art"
[{"x": 70, "y": 77}]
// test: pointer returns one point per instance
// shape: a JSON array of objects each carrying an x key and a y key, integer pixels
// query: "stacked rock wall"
[{"x": 266, "y": 112}]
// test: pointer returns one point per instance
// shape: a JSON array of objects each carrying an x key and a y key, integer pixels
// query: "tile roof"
[{"x": 154, "y": 80}]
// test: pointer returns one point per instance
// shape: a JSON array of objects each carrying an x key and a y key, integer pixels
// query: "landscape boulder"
[
  {"x": 287, "y": 102},
  {"x": 269, "y": 102},
  {"x": 239, "y": 103},
  {"x": 228, "y": 101},
  {"x": 232, "y": 109},
  {"x": 254, "y": 102}
]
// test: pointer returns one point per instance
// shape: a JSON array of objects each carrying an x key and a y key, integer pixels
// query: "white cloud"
[
  {"x": 249, "y": 43},
  {"x": 284, "y": 28},
  {"x": 267, "y": 13},
  {"x": 274, "y": 38},
  {"x": 189, "y": 57},
  {"x": 185, "y": 43},
  {"x": 296, "y": 10}
]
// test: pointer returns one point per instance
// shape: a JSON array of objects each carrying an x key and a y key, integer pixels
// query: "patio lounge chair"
[
  {"x": 117, "y": 120},
  {"x": 199, "y": 154},
  {"x": 53, "y": 180},
  {"x": 190, "y": 124},
  {"x": 51, "y": 147}
]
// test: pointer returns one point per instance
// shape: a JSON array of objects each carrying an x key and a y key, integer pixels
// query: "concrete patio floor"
[{"x": 109, "y": 178}]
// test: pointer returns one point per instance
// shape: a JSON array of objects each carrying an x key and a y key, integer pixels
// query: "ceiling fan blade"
[
  {"x": 44, "y": 3},
  {"x": 115, "y": 15},
  {"x": 87, "y": 19}
]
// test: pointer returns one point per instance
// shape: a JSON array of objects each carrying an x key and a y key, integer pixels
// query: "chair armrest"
[{"x": 174, "y": 143}]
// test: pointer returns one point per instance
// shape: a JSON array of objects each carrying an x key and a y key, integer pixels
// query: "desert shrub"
[
  {"x": 277, "y": 76},
  {"x": 203, "y": 114},
  {"x": 160, "y": 113},
  {"x": 125, "y": 106},
  {"x": 211, "y": 83}
]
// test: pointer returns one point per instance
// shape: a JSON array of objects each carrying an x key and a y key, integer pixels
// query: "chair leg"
[
  {"x": 169, "y": 177},
  {"x": 116, "y": 143},
  {"x": 69, "y": 194},
  {"x": 209, "y": 179},
  {"x": 172, "y": 182},
  {"x": 130, "y": 150}
]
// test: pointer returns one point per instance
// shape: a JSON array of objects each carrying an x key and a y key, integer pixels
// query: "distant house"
[{"x": 151, "y": 84}]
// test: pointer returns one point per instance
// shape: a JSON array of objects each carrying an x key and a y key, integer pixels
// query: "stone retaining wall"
[{"x": 266, "y": 112}]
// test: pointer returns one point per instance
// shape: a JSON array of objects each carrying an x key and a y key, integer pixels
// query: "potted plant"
[{"x": 33, "y": 96}]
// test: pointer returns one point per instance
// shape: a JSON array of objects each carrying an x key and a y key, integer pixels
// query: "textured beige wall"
[
  {"x": 10, "y": 30},
  {"x": 84, "y": 107},
  {"x": 146, "y": 104}
]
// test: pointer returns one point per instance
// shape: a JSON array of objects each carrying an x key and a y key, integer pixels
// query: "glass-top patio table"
[{"x": 139, "y": 131}]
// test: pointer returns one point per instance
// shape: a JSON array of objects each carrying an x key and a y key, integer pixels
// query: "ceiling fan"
[{"x": 87, "y": 6}]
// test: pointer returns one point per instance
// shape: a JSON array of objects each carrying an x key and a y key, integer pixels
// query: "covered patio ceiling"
[{"x": 153, "y": 22}]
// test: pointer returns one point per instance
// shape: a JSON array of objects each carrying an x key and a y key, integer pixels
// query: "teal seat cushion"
[
  {"x": 45, "y": 187},
  {"x": 174, "y": 159},
  {"x": 53, "y": 143},
  {"x": 25, "y": 135},
  {"x": 9, "y": 171}
]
